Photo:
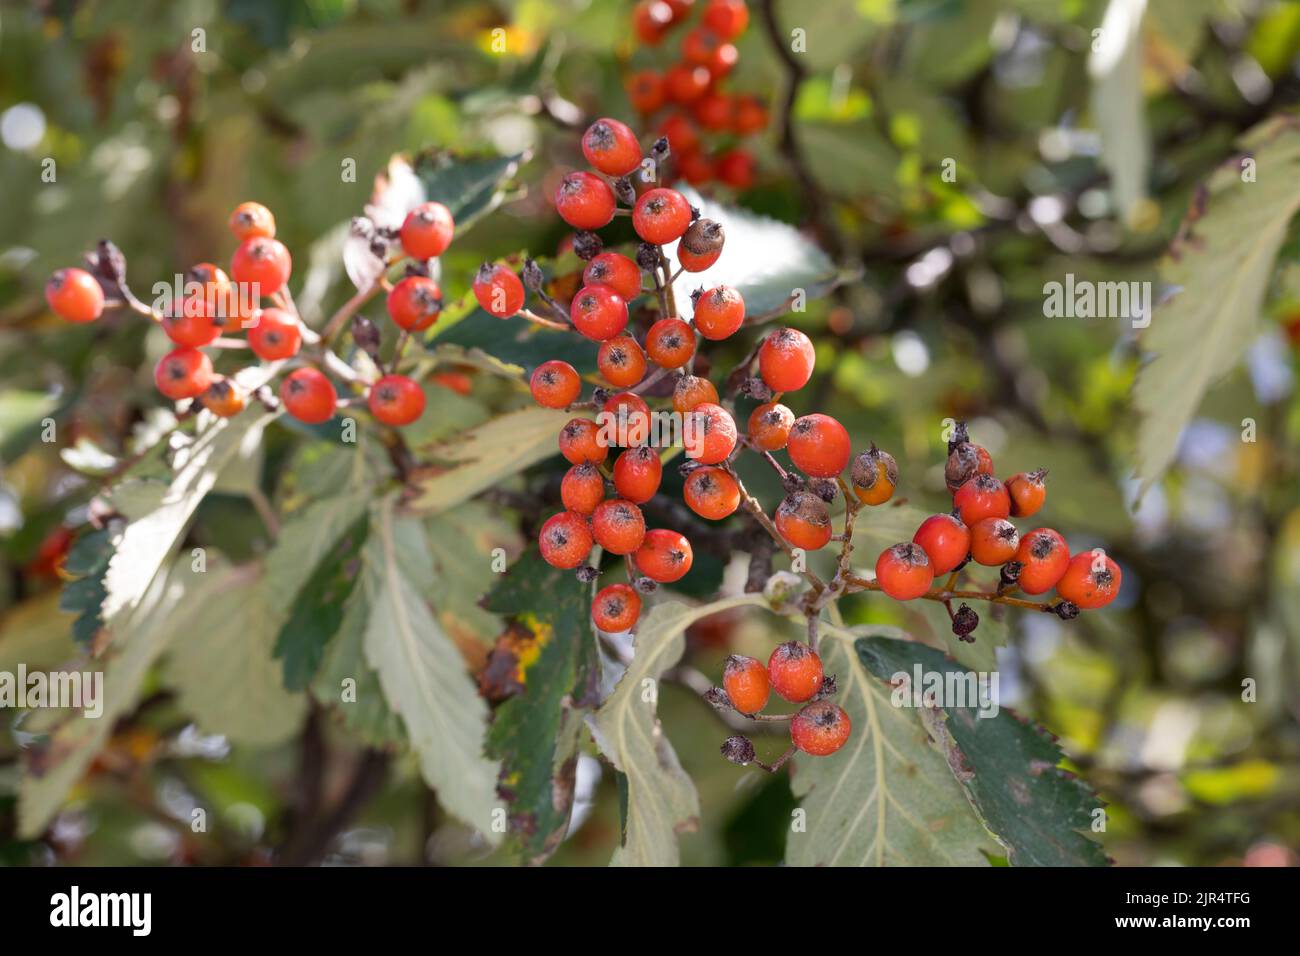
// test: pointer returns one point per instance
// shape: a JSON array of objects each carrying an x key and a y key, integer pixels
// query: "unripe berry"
[
  {"x": 1027, "y": 491},
  {"x": 993, "y": 541},
  {"x": 615, "y": 271},
  {"x": 701, "y": 245},
  {"x": 945, "y": 540},
  {"x": 183, "y": 373},
  {"x": 965, "y": 461},
  {"x": 580, "y": 442},
  {"x": 804, "y": 521},
  {"x": 616, "y": 608},
  {"x": 618, "y": 526},
  {"x": 714, "y": 436},
  {"x": 819, "y": 445},
  {"x": 396, "y": 400},
  {"x": 645, "y": 91},
  {"x": 769, "y": 426},
  {"x": 555, "y": 384},
  {"x": 1044, "y": 558},
  {"x": 251, "y": 220},
  {"x": 719, "y": 313},
  {"x": 795, "y": 671},
  {"x": 692, "y": 391},
  {"x": 727, "y": 18},
  {"x": 665, "y": 556},
  {"x": 498, "y": 290},
  {"x": 582, "y": 489},
  {"x": 1090, "y": 581},
  {"x": 74, "y": 295},
  {"x": 982, "y": 497},
  {"x": 661, "y": 215},
  {"x": 427, "y": 231},
  {"x": 875, "y": 475},
  {"x": 746, "y": 683},
  {"x": 820, "y": 729},
  {"x": 611, "y": 147},
  {"x": 904, "y": 571},
  {"x": 786, "y": 359},
  {"x": 711, "y": 493},
  {"x": 565, "y": 540},
  {"x": 670, "y": 343},
  {"x": 637, "y": 474},
  {"x": 223, "y": 398},
  {"x": 309, "y": 396},
  {"x": 275, "y": 336},
  {"x": 585, "y": 201},
  {"x": 263, "y": 263},
  {"x": 685, "y": 83},
  {"x": 621, "y": 361},
  {"x": 598, "y": 312}
]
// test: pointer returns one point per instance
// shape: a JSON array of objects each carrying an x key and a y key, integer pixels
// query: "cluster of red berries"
[
  {"x": 979, "y": 529},
  {"x": 795, "y": 672},
  {"x": 692, "y": 89}
]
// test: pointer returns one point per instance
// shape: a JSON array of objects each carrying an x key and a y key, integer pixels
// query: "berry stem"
[
  {"x": 778, "y": 763},
  {"x": 857, "y": 583},
  {"x": 750, "y": 504},
  {"x": 536, "y": 319},
  {"x": 348, "y": 309}
]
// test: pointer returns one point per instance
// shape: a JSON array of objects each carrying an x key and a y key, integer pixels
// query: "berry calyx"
[
  {"x": 621, "y": 361},
  {"x": 580, "y": 442},
  {"x": 769, "y": 426},
  {"x": 223, "y": 398},
  {"x": 616, "y": 608},
  {"x": 710, "y": 435},
  {"x": 820, "y": 729},
  {"x": 251, "y": 220},
  {"x": 819, "y": 445},
  {"x": 664, "y": 556},
  {"x": 661, "y": 215},
  {"x": 616, "y": 271},
  {"x": 275, "y": 335},
  {"x": 965, "y": 461},
  {"x": 618, "y": 526},
  {"x": 746, "y": 682},
  {"x": 711, "y": 493},
  {"x": 309, "y": 396},
  {"x": 611, "y": 147},
  {"x": 701, "y": 245},
  {"x": 1027, "y": 491},
  {"x": 74, "y": 295},
  {"x": 427, "y": 231},
  {"x": 1090, "y": 581},
  {"x": 904, "y": 571},
  {"x": 945, "y": 540},
  {"x": 993, "y": 541},
  {"x": 555, "y": 384},
  {"x": 183, "y": 373},
  {"x": 396, "y": 400},
  {"x": 795, "y": 671},
  {"x": 670, "y": 343},
  {"x": 637, "y": 474},
  {"x": 875, "y": 475},
  {"x": 598, "y": 312},
  {"x": 498, "y": 290},
  {"x": 804, "y": 521},
  {"x": 1044, "y": 558},
  {"x": 982, "y": 497},
  {"x": 785, "y": 360},
  {"x": 719, "y": 313},
  {"x": 263, "y": 263},
  {"x": 585, "y": 201},
  {"x": 565, "y": 540}
]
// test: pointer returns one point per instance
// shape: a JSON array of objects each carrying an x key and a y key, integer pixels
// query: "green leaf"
[
  {"x": 483, "y": 456},
  {"x": 20, "y": 419},
  {"x": 88, "y": 557},
  {"x": 661, "y": 799},
  {"x": 1009, "y": 768},
  {"x": 886, "y": 798},
  {"x": 471, "y": 187},
  {"x": 1220, "y": 265},
  {"x": 422, "y": 673}
]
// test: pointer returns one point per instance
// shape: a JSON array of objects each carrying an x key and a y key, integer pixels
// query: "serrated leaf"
[
  {"x": 887, "y": 797},
  {"x": 1009, "y": 768},
  {"x": 483, "y": 456},
  {"x": 422, "y": 673},
  {"x": 1220, "y": 266},
  {"x": 470, "y": 187},
  {"x": 661, "y": 799},
  {"x": 88, "y": 558}
]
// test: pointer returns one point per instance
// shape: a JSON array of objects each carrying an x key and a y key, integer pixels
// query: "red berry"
[
  {"x": 580, "y": 442},
  {"x": 498, "y": 290},
  {"x": 665, "y": 556},
  {"x": 223, "y": 398},
  {"x": 786, "y": 359},
  {"x": 618, "y": 526},
  {"x": 616, "y": 608},
  {"x": 1027, "y": 492},
  {"x": 748, "y": 116},
  {"x": 804, "y": 520},
  {"x": 993, "y": 541},
  {"x": 713, "y": 111},
  {"x": 415, "y": 303},
  {"x": 711, "y": 493},
  {"x": 982, "y": 497},
  {"x": 650, "y": 20},
  {"x": 1090, "y": 581},
  {"x": 820, "y": 729},
  {"x": 661, "y": 215},
  {"x": 598, "y": 312},
  {"x": 692, "y": 391},
  {"x": 670, "y": 343},
  {"x": 819, "y": 445},
  {"x": 736, "y": 169},
  {"x": 685, "y": 83},
  {"x": 74, "y": 295},
  {"x": 183, "y": 373},
  {"x": 615, "y": 271},
  {"x": 769, "y": 426},
  {"x": 565, "y": 540},
  {"x": 555, "y": 384},
  {"x": 945, "y": 540},
  {"x": 585, "y": 201},
  {"x": 710, "y": 434},
  {"x": 427, "y": 230},
  {"x": 875, "y": 476},
  {"x": 746, "y": 683},
  {"x": 611, "y": 147},
  {"x": 621, "y": 361},
  {"x": 681, "y": 135},
  {"x": 645, "y": 91},
  {"x": 275, "y": 335},
  {"x": 251, "y": 220},
  {"x": 309, "y": 396},
  {"x": 904, "y": 571},
  {"x": 701, "y": 245},
  {"x": 727, "y": 18},
  {"x": 396, "y": 400},
  {"x": 1044, "y": 558},
  {"x": 190, "y": 323},
  {"x": 795, "y": 671},
  {"x": 695, "y": 167},
  {"x": 719, "y": 313},
  {"x": 583, "y": 488},
  {"x": 637, "y": 474}
]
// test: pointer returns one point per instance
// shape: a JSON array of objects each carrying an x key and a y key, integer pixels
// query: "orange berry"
[
  {"x": 982, "y": 497},
  {"x": 904, "y": 571},
  {"x": 616, "y": 608},
  {"x": 661, "y": 215},
  {"x": 945, "y": 540},
  {"x": 615, "y": 271},
  {"x": 1090, "y": 581},
  {"x": 727, "y": 18},
  {"x": 74, "y": 295},
  {"x": 183, "y": 373},
  {"x": 275, "y": 335},
  {"x": 650, "y": 20},
  {"x": 820, "y": 729},
  {"x": 618, "y": 526},
  {"x": 645, "y": 91},
  {"x": 629, "y": 417},
  {"x": 498, "y": 290},
  {"x": 223, "y": 398},
  {"x": 804, "y": 520},
  {"x": 396, "y": 400},
  {"x": 598, "y": 312},
  {"x": 1044, "y": 558},
  {"x": 1027, "y": 491},
  {"x": 745, "y": 681},
  {"x": 719, "y": 313},
  {"x": 555, "y": 384},
  {"x": 875, "y": 475},
  {"x": 786, "y": 359},
  {"x": 795, "y": 671},
  {"x": 637, "y": 474},
  {"x": 583, "y": 488},
  {"x": 565, "y": 540},
  {"x": 611, "y": 147},
  {"x": 701, "y": 245},
  {"x": 711, "y": 493},
  {"x": 580, "y": 442},
  {"x": 427, "y": 231},
  {"x": 769, "y": 426},
  {"x": 262, "y": 263},
  {"x": 665, "y": 556},
  {"x": 309, "y": 396},
  {"x": 251, "y": 220},
  {"x": 189, "y": 323},
  {"x": 993, "y": 541},
  {"x": 685, "y": 83},
  {"x": 621, "y": 361},
  {"x": 819, "y": 445},
  {"x": 585, "y": 201},
  {"x": 710, "y": 434},
  {"x": 692, "y": 391},
  {"x": 670, "y": 343}
]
